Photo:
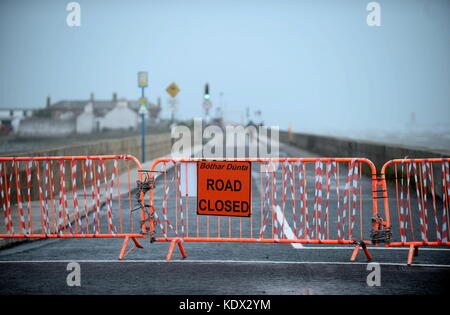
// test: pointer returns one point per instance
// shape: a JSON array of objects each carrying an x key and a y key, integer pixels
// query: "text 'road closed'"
[{"x": 224, "y": 188}]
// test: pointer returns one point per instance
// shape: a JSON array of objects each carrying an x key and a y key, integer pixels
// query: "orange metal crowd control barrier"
[
  {"x": 289, "y": 200},
  {"x": 416, "y": 201},
  {"x": 71, "y": 197},
  {"x": 258, "y": 200}
]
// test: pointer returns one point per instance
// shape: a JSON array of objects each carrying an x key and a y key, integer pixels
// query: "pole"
[
  {"x": 172, "y": 110},
  {"x": 143, "y": 131},
  {"x": 143, "y": 136}
]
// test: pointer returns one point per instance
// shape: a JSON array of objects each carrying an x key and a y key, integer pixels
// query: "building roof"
[{"x": 100, "y": 107}]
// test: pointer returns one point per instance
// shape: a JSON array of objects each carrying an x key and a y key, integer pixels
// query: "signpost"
[
  {"x": 143, "y": 83},
  {"x": 143, "y": 79},
  {"x": 173, "y": 91},
  {"x": 224, "y": 188}
]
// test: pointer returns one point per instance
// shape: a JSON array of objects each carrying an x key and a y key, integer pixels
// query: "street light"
[{"x": 206, "y": 95}]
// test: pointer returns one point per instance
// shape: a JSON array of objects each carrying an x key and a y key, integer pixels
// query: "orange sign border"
[{"x": 249, "y": 191}]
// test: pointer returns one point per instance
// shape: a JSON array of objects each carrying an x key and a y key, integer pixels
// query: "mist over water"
[
  {"x": 437, "y": 138},
  {"x": 413, "y": 134}
]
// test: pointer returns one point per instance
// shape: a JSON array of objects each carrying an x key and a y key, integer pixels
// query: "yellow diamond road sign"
[{"x": 173, "y": 90}]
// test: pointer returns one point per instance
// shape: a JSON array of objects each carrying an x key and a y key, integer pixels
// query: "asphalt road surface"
[{"x": 40, "y": 267}]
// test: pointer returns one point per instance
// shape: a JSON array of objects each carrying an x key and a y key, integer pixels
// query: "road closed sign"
[{"x": 224, "y": 188}]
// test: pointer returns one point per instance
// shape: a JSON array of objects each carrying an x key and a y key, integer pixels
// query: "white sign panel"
[{"x": 188, "y": 179}]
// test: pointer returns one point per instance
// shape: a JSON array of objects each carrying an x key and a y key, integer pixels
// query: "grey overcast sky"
[{"x": 316, "y": 64}]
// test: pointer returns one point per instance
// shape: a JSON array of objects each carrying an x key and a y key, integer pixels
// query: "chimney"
[
  {"x": 49, "y": 102},
  {"x": 92, "y": 97},
  {"x": 114, "y": 97}
]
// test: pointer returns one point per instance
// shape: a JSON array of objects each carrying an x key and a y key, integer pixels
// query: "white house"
[
  {"x": 120, "y": 117},
  {"x": 85, "y": 121},
  {"x": 13, "y": 116},
  {"x": 91, "y": 115}
]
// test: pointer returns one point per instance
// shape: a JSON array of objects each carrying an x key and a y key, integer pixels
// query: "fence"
[
  {"x": 293, "y": 200},
  {"x": 70, "y": 197},
  {"x": 285, "y": 200},
  {"x": 418, "y": 189}
]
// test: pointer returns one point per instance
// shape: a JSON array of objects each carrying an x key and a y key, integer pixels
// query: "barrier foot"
[
  {"x": 182, "y": 251},
  {"x": 124, "y": 248},
  {"x": 355, "y": 253},
  {"x": 366, "y": 251},
  {"x": 123, "y": 251},
  {"x": 358, "y": 246},
  {"x": 413, "y": 251},
  {"x": 136, "y": 243},
  {"x": 172, "y": 247}
]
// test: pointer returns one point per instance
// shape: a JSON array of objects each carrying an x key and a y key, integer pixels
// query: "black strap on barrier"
[
  {"x": 382, "y": 191},
  {"x": 142, "y": 188},
  {"x": 381, "y": 233}
]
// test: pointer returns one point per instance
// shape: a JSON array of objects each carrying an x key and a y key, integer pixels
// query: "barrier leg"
[
  {"x": 182, "y": 251},
  {"x": 359, "y": 245},
  {"x": 172, "y": 247},
  {"x": 136, "y": 242},
  {"x": 355, "y": 253},
  {"x": 124, "y": 248},
  {"x": 413, "y": 251},
  {"x": 123, "y": 251},
  {"x": 366, "y": 251}
]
